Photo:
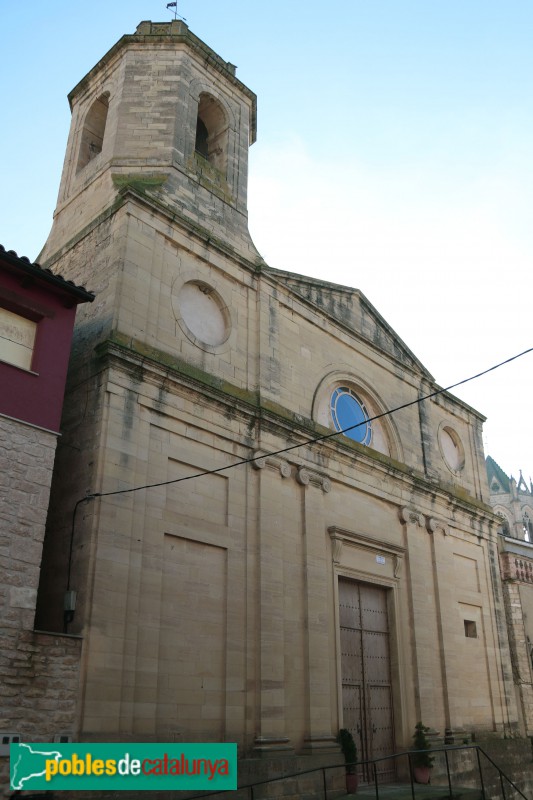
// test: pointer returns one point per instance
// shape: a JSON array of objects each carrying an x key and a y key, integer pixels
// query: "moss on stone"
[
  {"x": 142, "y": 182},
  {"x": 172, "y": 213},
  {"x": 281, "y": 416},
  {"x": 101, "y": 218},
  {"x": 180, "y": 367}
]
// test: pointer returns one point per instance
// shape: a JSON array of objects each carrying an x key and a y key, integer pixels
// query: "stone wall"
[
  {"x": 26, "y": 462},
  {"x": 38, "y": 687},
  {"x": 38, "y": 672},
  {"x": 515, "y": 758},
  {"x": 460, "y": 765}
]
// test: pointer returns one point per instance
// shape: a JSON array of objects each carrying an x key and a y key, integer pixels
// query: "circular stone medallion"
[
  {"x": 452, "y": 449},
  {"x": 204, "y": 313}
]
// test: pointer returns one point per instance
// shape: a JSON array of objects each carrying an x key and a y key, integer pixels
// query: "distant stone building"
[
  {"x": 266, "y": 588},
  {"x": 513, "y": 503},
  {"x": 38, "y": 672}
]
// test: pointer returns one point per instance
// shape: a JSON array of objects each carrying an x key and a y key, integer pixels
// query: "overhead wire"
[
  {"x": 279, "y": 452},
  {"x": 308, "y": 442}
]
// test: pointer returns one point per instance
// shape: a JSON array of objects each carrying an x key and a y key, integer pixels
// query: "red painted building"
[{"x": 37, "y": 311}]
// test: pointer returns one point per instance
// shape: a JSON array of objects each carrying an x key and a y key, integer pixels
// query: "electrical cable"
[
  {"x": 309, "y": 441},
  {"x": 275, "y": 452}
]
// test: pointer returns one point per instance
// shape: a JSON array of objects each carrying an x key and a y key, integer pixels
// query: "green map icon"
[
  {"x": 28, "y": 763},
  {"x": 122, "y": 766}
]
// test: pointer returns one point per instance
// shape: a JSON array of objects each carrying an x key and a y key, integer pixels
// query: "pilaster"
[
  {"x": 444, "y": 599},
  {"x": 422, "y": 602},
  {"x": 271, "y": 731},
  {"x": 319, "y": 735}
]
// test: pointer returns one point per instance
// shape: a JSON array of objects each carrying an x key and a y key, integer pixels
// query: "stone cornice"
[
  {"x": 306, "y": 476},
  {"x": 133, "y": 192},
  {"x": 433, "y": 525},
  {"x": 413, "y": 368},
  {"x": 133, "y": 355},
  {"x": 273, "y": 462},
  {"x": 340, "y": 536},
  {"x": 176, "y": 32},
  {"x": 365, "y": 541},
  {"x": 108, "y": 212},
  {"x": 411, "y": 515}
]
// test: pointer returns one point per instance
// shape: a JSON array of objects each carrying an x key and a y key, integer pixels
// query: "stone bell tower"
[
  {"x": 163, "y": 115},
  {"x": 152, "y": 212}
]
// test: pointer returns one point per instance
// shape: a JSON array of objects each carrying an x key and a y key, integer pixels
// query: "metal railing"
[
  {"x": 403, "y": 767},
  {"x": 452, "y": 783}
]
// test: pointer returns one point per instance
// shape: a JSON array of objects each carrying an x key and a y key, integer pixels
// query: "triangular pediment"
[{"x": 350, "y": 308}]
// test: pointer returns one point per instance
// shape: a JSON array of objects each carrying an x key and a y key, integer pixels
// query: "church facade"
[{"x": 278, "y": 579}]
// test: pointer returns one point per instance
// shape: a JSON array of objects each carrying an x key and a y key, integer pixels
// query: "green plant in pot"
[
  {"x": 421, "y": 762},
  {"x": 349, "y": 749}
]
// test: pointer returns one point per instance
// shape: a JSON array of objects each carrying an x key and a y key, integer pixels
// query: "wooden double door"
[{"x": 366, "y": 673}]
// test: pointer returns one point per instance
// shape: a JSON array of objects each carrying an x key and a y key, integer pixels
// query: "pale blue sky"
[{"x": 394, "y": 154}]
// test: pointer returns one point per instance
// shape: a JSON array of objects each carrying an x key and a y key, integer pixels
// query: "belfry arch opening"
[
  {"x": 212, "y": 132},
  {"x": 92, "y": 137}
]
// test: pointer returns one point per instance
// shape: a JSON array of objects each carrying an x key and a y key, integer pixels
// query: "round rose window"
[{"x": 350, "y": 416}]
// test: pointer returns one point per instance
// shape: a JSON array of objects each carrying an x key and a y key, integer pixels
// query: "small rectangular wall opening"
[{"x": 470, "y": 629}]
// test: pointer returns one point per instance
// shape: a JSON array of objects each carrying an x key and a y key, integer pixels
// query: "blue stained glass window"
[{"x": 347, "y": 410}]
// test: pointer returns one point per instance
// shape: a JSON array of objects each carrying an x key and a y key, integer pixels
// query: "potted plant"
[
  {"x": 421, "y": 760},
  {"x": 349, "y": 749}
]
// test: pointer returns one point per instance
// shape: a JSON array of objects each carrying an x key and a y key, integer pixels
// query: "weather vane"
[{"x": 175, "y": 7}]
